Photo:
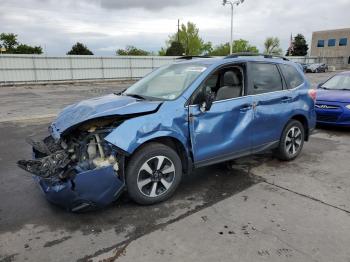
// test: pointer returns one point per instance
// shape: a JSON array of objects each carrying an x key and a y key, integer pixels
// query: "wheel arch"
[
  {"x": 176, "y": 145},
  {"x": 302, "y": 119}
]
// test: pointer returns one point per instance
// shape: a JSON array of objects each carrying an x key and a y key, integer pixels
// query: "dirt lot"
[{"x": 262, "y": 210}]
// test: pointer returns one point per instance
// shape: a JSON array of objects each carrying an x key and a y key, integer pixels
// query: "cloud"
[
  {"x": 106, "y": 25},
  {"x": 145, "y": 4}
]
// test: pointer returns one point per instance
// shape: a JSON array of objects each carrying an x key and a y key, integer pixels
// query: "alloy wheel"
[
  {"x": 293, "y": 141},
  {"x": 156, "y": 176}
]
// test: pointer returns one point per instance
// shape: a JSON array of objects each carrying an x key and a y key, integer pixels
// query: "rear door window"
[
  {"x": 292, "y": 76},
  {"x": 265, "y": 78}
]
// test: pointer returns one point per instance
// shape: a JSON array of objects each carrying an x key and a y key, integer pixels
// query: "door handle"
[{"x": 286, "y": 99}]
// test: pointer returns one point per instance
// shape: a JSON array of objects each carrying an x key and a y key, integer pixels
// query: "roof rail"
[
  {"x": 189, "y": 57},
  {"x": 235, "y": 55}
]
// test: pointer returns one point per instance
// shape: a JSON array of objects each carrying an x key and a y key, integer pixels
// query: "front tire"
[
  {"x": 153, "y": 174},
  {"x": 292, "y": 141}
]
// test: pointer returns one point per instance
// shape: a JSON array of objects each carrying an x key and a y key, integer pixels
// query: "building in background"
[{"x": 331, "y": 43}]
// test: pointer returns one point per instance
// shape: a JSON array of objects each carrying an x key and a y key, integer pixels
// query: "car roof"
[{"x": 221, "y": 61}]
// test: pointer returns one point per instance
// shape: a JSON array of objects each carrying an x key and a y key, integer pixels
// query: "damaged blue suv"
[{"x": 192, "y": 113}]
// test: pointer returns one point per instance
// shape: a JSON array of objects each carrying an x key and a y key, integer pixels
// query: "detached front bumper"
[{"x": 86, "y": 191}]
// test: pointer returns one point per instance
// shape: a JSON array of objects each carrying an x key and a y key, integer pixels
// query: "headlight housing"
[{"x": 348, "y": 107}]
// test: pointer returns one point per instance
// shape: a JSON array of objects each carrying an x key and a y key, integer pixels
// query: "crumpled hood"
[
  {"x": 342, "y": 96},
  {"x": 104, "y": 106}
]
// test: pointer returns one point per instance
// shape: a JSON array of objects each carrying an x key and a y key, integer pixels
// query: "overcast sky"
[{"x": 106, "y": 25}]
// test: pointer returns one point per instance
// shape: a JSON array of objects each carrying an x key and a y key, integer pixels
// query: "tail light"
[{"x": 312, "y": 94}]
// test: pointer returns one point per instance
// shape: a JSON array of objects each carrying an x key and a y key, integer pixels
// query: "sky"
[{"x": 107, "y": 25}]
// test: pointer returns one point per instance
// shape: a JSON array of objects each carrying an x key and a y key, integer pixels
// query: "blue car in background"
[
  {"x": 193, "y": 113},
  {"x": 333, "y": 101}
]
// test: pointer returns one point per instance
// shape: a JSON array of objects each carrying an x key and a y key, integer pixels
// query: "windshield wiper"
[
  {"x": 135, "y": 96},
  {"x": 119, "y": 93}
]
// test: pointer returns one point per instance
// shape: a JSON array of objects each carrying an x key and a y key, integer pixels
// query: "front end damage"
[{"x": 79, "y": 171}]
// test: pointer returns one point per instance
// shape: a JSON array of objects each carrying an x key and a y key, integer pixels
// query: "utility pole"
[
  {"x": 232, "y": 4},
  {"x": 178, "y": 30},
  {"x": 231, "y": 42}
]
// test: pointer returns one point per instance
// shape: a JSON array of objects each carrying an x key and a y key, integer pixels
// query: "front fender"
[{"x": 134, "y": 132}]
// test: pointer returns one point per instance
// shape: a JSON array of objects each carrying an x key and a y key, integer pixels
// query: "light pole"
[{"x": 232, "y": 3}]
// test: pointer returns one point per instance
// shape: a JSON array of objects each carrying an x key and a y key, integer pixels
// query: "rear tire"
[
  {"x": 153, "y": 174},
  {"x": 291, "y": 142}
]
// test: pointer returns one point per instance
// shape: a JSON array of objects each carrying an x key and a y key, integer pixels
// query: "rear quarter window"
[
  {"x": 266, "y": 78},
  {"x": 292, "y": 76}
]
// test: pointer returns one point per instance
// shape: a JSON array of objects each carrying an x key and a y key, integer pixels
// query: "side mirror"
[
  {"x": 319, "y": 85},
  {"x": 207, "y": 101}
]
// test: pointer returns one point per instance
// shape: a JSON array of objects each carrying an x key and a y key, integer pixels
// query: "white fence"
[{"x": 39, "y": 68}]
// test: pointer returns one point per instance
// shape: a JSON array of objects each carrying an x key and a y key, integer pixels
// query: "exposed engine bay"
[
  {"x": 64, "y": 159},
  {"x": 84, "y": 153}
]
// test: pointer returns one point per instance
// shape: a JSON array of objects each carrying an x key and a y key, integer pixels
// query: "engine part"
[
  {"x": 91, "y": 150},
  {"x": 80, "y": 152},
  {"x": 52, "y": 165},
  {"x": 100, "y": 149},
  {"x": 40, "y": 146}
]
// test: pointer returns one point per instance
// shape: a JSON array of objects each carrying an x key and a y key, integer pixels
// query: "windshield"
[
  {"x": 166, "y": 83},
  {"x": 341, "y": 82}
]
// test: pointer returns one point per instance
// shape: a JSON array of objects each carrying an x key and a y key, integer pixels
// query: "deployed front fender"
[{"x": 134, "y": 132}]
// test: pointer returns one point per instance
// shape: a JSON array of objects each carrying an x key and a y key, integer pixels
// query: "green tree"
[
  {"x": 272, "y": 46},
  {"x": 300, "y": 46},
  {"x": 207, "y": 48},
  {"x": 188, "y": 36},
  {"x": 242, "y": 45},
  {"x": 221, "y": 50},
  {"x": 79, "y": 49},
  {"x": 26, "y": 49},
  {"x": 162, "y": 51},
  {"x": 132, "y": 50},
  {"x": 9, "y": 42},
  {"x": 238, "y": 46},
  {"x": 175, "y": 49}
]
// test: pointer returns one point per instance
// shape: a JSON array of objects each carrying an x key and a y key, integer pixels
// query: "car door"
[
  {"x": 222, "y": 132},
  {"x": 271, "y": 103}
]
